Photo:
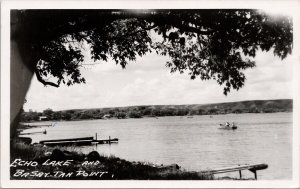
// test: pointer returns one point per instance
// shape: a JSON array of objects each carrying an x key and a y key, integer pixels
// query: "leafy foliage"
[
  {"x": 124, "y": 39},
  {"x": 207, "y": 44},
  {"x": 48, "y": 112}
]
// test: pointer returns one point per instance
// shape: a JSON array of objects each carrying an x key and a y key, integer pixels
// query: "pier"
[
  {"x": 38, "y": 132},
  {"x": 78, "y": 141},
  {"x": 253, "y": 168}
]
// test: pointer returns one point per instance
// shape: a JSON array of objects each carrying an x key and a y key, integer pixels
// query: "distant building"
[
  {"x": 43, "y": 118},
  {"x": 106, "y": 116}
]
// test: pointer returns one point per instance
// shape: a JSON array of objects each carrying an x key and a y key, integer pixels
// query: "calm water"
[{"x": 193, "y": 143}]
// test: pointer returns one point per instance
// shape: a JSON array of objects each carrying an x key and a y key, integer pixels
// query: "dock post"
[
  {"x": 254, "y": 171},
  {"x": 109, "y": 139},
  {"x": 255, "y": 175},
  {"x": 240, "y": 174},
  {"x": 96, "y": 136}
]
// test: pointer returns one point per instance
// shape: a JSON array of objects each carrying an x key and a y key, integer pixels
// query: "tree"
[
  {"x": 84, "y": 115},
  {"x": 208, "y": 44},
  {"x": 120, "y": 115},
  {"x": 201, "y": 111},
  {"x": 48, "y": 112},
  {"x": 237, "y": 111},
  {"x": 212, "y": 111},
  {"x": 134, "y": 114},
  {"x": 56, "y": 115},
  {"x": 66, "y": 115},
  {"x": 30, "y": 116}
]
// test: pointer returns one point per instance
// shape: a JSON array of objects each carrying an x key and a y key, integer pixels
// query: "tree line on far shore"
[{"x": 258, "y": 106}]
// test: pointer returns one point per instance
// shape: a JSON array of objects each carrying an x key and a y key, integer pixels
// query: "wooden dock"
[
  {"x": 78, "y": 141},
  {"x": 107, "y": 141},
  {"x": 253, "y": 168},
  {"x": 38, "y": 132},
  {"x": 37, "y": 126},
  {"x": 70, "y": 139}
]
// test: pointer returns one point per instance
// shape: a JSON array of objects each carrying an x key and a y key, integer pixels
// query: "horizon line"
[{"x": 164, "y": 105}]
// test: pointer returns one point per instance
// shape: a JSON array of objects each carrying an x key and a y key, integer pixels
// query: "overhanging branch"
[{"x": 40, "y": 79}]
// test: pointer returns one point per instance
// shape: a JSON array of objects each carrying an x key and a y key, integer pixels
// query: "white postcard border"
[{"x": 292, "y": 5}]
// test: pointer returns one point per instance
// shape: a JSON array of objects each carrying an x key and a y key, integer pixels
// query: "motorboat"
[{"x": 228, "y": 126}]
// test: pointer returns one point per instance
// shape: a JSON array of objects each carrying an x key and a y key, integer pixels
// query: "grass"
[
  {"x": 114, "y": 167},
  {"x": 27, "y": 152}
]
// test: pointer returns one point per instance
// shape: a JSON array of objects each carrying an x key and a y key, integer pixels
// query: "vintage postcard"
[{"x": 150, "y": 94}]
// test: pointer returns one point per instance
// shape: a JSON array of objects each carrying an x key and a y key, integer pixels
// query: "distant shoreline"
[
  {"x": 26, "y": 123},
  {"x": 255, "y": 106}
]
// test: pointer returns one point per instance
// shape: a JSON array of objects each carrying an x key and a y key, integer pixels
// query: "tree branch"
[{"x": 40, "y": 79}]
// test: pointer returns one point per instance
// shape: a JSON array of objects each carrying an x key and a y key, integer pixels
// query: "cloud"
[
  {"x": 139, "y": 72},
  {"x": 270, "y": 68},
  {"x": 103, "y": 67},
  {"x": 151, "y": 61}
]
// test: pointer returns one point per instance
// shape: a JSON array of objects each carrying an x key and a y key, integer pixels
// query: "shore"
[
  {"x": 254, "y": 106},
  {"x": 45, "y": 163}
]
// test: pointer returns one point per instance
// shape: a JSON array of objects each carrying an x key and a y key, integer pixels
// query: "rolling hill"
[{"x": 253, "y": 106}]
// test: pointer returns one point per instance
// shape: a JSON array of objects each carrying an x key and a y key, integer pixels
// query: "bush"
[{"x": 134, "y": 114}]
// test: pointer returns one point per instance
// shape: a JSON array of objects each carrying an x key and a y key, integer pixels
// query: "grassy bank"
[{"x": 40, "y": 162}]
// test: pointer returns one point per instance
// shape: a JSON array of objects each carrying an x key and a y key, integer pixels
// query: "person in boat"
[
  {"x": 227, "y": 124},
  {"x": 233, "y": 124}
]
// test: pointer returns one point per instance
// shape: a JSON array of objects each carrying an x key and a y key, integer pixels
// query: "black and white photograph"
[{"x": 151, "y": 93}]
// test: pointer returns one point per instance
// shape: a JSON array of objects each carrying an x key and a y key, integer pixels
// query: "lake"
[{"x": 193, "y": 143}]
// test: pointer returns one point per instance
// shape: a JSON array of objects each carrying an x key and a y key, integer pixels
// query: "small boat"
[{"x": 229, "y": 127}]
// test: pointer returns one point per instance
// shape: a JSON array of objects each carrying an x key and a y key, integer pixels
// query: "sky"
[{"x": 148, "y": 82}]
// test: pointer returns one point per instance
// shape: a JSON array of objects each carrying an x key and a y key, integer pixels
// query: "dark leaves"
[
  {"x": 122, "y": 40},
  {"x": 207, "y": 44},
  {"x": 60, "y": 61}
]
